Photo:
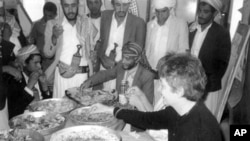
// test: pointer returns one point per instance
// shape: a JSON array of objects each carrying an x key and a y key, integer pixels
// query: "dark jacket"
[
  {"x": 135, "y": 31},
  {"x": 214, "y": 54},
  {"x": 197, "y": 125},
  {"x": 18, "y": 98},
  {"x": 6, "y": 57}
]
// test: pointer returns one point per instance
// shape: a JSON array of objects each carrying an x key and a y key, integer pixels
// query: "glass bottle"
[
  {"x": 124, "y": 86},
  {"x": 122, "y": 98}
]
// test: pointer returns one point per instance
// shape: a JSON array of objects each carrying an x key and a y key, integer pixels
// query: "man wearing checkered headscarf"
[
  {"x": 128, "y": 69},
  {"x": 132, "y": 50},
  {"x": 211, "y": 43}
]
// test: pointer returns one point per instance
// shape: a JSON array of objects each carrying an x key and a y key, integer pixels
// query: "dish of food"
[
  {"x": 42, "y": 122},
  {"x": 86, "y": 133},
  {"x": 54, "y": 105},
  {"x": 86, "y": 117},
  {"x": 89, "y": 97},
  {"x": 20, "y": 135},
  {"x": 9, "y": 136}
]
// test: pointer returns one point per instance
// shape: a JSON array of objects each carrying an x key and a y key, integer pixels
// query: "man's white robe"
[{"x": 69, "y": 48}]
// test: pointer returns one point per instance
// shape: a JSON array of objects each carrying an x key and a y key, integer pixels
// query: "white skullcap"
[
  {"x": 159, "y": 4},
  {"x": 25, "y": 52},
  {"x": 217, "y": 4}
]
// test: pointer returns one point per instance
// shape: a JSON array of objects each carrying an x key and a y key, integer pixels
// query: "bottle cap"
[{"x": 123, "y": 82}]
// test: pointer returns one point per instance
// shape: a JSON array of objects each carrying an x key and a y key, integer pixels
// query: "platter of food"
[
  {"x": 20, "y": 135},
  {"x": 89, "y": 97},
  {"x": 86, "y": 133},
  {"x": 42, "y": 122},
  {"x": 84, "y": 116},
  {"x": 53, "y": 105}
]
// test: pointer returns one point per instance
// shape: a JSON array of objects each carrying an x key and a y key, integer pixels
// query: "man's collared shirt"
[
  {"x": 96, "y": 24},
  {"x": 116, "y": 36},
  {"x": 198, "y": 40},
  {"x": 69, "y": 45},
  {"x": 129, "y": 75},
  {"x": 158, "y": 41}
]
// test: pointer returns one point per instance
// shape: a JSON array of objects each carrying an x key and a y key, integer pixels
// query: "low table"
[{"x": 118, "y": 126}]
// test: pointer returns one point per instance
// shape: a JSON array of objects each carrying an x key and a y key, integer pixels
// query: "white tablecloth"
[{"x": 126, "y": 136}]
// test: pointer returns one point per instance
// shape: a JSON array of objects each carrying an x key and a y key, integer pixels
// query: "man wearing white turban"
[
  {"x": 211, "y": 43},
  {"x": 165, "y": 33}
]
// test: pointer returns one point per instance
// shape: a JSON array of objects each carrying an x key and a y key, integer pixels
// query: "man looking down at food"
[
  {"x": 128, "y": 69},
  {"x": 137, "y": 98},
  {"x": 183, "y": 83}
]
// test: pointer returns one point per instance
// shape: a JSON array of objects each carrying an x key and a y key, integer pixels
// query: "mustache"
[
  {"x": 200, "y": 18},
  {"x": 71, "y": 13},
  {"x": 121, "y": 12}
]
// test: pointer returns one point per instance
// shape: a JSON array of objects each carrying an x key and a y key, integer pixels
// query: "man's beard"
[
  {"x": 129, "y": 67},
  {"x": 71, "y": 18},
  {"x": 204, "y": 21},
  {"x": 201, "y": 21},
  {"x": 95, "y": 13},
  {"x": 121, "y": 14}
]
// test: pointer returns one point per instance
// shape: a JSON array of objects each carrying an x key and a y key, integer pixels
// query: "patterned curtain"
[{"x": 133, "y": 9}]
